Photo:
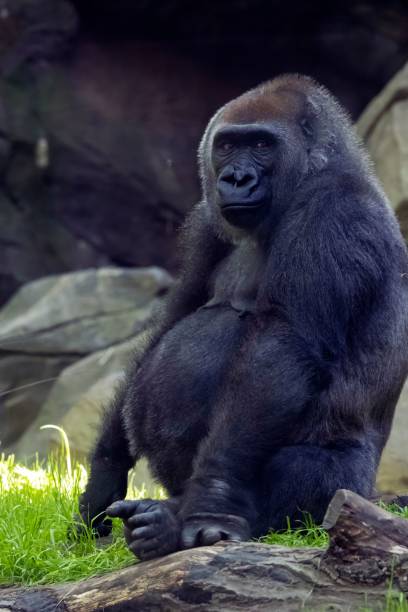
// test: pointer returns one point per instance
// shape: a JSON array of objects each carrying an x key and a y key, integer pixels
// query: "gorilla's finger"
[
  {"x": 146, "y": 518},
  {"x": 142, "y": 546},
  {"x": 123, "y": 509},
  {"x": 143, "y": 533}
]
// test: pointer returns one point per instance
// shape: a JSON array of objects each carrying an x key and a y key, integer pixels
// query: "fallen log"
[
  {"x": 368, "y": 552},
  {"x": 367, "y": 543}
]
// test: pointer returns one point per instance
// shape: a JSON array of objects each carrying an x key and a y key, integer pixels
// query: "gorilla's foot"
[
  {"x": 151, "y": 530},
  {"x": 207, "y": 528}
]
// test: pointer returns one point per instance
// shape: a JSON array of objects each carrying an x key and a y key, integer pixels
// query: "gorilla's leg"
[
  {"x": 297, "y": 480},
  {"x": 110, "y": 463},
  {"x": 266, "y": 402},
  {"x": 152, "y": 528},
  {"x": 303, "y": 479}
]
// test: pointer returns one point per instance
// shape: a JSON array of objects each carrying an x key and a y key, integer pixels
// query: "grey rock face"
[
  {"x": 80, "y": 312},
  {"x": 25, "y": 382},
  {"x": 393, "y": 472},
  {"x": 97, "y": 159},
  {"x": 76, "y": 402},
  {"x": 65, "y": 342},
  {"x": 384, "y": 127}
]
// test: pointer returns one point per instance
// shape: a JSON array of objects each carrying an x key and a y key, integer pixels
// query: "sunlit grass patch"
[
  {"x": 36, "y": 510},
  {"x": 37, "y": 506}
]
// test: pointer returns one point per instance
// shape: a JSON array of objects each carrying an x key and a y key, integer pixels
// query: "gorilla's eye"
[
  {"x": 261, "y": 144},
  {"x": 225, "y": 146}
]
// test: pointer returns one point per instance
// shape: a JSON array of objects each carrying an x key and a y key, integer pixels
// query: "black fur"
[{"x": 272, "y": 376}]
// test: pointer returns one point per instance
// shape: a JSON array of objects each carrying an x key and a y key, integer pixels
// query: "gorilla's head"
[{"x": 259, "y": 148}]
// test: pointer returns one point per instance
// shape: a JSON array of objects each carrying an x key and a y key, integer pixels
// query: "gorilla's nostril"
[
  {"x": 244, "y": 180},
  {"x": 229, "y": 178},
  {"x": 238, "y": 179}
]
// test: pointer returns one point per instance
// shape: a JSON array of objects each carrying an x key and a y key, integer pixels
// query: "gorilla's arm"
[
  {"x": 302, "y": 378},
  {"x": 111, "y": 458},
  {"x": 110, "y": 463},
  {"x": 201, "y": 249}
]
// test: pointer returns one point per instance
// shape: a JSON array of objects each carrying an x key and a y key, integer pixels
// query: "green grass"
[
  {"x": 401, "y": 512},
  {"x": 36, "y": 510},
  {"x": 309, "y": 534},
  {"x": 306, "y": 534}
]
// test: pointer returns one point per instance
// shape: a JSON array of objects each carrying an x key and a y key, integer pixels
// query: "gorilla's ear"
[
  {"x": 316, "y": 138},
  {"x": 309, "y": 120},
  {"x": 307, "y": 128}
]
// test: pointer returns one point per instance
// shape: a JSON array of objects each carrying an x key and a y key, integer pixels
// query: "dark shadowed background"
[{"x": 121, "y": 91}]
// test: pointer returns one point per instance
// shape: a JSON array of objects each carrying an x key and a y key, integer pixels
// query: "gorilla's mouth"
[
  {"x": 243, "y": 214},
  {"x": 247, "y": 206}
]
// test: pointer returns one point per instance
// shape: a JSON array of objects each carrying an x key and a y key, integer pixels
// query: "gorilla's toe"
[{"x": 208, "y": 528}]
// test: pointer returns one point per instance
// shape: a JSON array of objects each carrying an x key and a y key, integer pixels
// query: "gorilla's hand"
[
  {"x": 105, "y": 486},
  {"x": 151, "y": 527},
  {"x": 205, "y": 528}
]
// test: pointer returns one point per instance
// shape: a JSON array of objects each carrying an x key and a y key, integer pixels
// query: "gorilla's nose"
[{"x": 237, "y": 184}]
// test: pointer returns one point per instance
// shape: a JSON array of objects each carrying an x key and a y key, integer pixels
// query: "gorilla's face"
[
  {"x": 249, "y": 162},
  {"x": 256, "y": 152}
]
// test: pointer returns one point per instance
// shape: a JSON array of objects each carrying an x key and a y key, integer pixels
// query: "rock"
[
  {"x": 77, "y": 402},
  {"x": 384, "y": 127},
  {"x": 393, "y": 472},
  {"x": 25, "y": 382},
  {"x": 46, "y": 328},
  {"x": 117, "y": 177},
  {"x": 40, "y": 29},
  {"x": 80, "y": 312}
]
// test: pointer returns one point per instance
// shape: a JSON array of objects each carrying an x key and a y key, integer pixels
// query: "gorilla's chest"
[
  {"x": 189, "y": 368},
  {"x": 236, "y": 280}
]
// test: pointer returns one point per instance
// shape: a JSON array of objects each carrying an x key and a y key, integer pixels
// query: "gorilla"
[{"x": 272, "y": 374}]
